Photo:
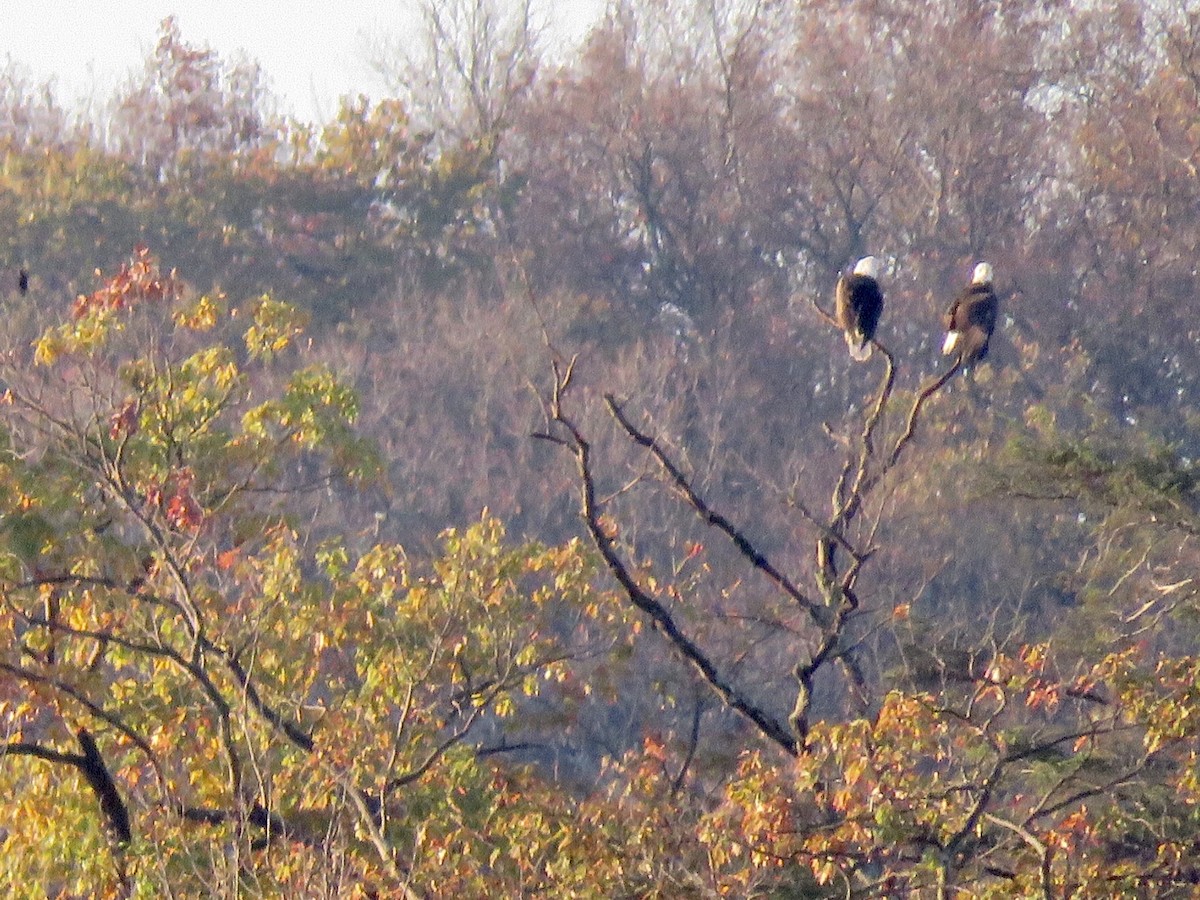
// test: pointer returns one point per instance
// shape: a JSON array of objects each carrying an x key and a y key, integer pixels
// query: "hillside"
[{"x": 473, "y": 496}]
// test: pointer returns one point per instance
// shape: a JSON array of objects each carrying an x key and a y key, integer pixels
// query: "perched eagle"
[
  {"x": 971, "y": 318},
  {"x": 859, "y": 303}
]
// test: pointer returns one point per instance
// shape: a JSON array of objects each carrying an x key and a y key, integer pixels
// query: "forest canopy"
[{"x": 472, "y": 495}]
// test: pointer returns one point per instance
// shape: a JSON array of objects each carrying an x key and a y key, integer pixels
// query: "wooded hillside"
[{"x": 472, "y": 496}]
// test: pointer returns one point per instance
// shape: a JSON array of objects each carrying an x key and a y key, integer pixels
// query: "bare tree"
[
  {"x": 844, "y": 541},
  {"x": 474, "y": 59}
]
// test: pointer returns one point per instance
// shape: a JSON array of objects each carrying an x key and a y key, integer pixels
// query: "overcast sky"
[{"x": 313, "y": 51}]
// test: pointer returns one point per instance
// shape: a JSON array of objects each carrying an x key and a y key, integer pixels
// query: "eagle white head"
[
  {"x": 983, "y": 274},
  {"x": 868, "y": 266}
]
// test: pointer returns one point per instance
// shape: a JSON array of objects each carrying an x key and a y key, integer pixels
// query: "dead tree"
[{"x": 843, "y": 540}]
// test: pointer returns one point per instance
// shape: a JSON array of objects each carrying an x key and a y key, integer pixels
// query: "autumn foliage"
[{"x": 470, "y": 496}]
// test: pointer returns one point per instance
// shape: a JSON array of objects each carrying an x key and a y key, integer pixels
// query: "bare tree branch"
[
  {"x": 681, "y": 484},
  {"x": 658, "y": 614}
]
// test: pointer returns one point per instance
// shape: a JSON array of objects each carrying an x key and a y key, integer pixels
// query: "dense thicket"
[{"x": 719, "y": 611}]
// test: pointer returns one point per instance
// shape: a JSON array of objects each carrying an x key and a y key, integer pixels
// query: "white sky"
[{"x": 313, "y": 51}]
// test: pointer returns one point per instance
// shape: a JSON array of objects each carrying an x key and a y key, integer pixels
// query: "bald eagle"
[
  {"x": 971, "y": 318},
  {"x": 859, "y": 303}
]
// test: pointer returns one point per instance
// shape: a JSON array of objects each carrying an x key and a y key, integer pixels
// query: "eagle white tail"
[
  {"x": 950, "y": 343},
  {"x": 860, "y": 348}
]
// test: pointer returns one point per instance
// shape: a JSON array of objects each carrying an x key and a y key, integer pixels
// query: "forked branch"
[
  {"x": 90, "y": 764},
  {"x": 658, "y": 614}
]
